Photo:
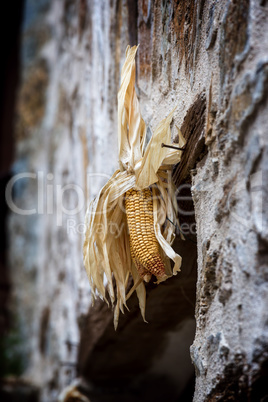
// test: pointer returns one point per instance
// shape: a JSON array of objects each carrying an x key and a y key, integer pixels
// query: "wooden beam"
[{"x": 193, "y": 131}]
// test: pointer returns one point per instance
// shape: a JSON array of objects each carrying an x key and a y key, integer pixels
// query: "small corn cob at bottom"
[{"x": 144, "y": 246}]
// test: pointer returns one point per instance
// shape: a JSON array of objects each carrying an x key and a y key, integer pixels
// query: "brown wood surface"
[{"x": 193, "y": 131}]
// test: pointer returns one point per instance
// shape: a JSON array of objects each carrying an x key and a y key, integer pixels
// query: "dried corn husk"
[{"x": 106, "y": 255}]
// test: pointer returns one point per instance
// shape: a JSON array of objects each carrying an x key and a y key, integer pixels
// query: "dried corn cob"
[{"x": 144, "y": 246}]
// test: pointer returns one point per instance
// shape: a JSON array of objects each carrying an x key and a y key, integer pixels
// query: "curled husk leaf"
[{"x": 106, "y": 249}]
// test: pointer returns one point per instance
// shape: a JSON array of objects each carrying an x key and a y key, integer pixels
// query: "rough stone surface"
[{"x": 211, "y": 60}]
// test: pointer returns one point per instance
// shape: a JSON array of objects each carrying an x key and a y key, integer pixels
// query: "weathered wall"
[
  {"x": 229, "y": 189},
  {"x": 66, "y": 126},
  {"x": 211, "y": 60}
]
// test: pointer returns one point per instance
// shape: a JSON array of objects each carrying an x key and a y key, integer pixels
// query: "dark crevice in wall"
[
  {"x": 135, "y": 362},
  {"x": 43, "y": 330},
  {"x": 193, "y": 129}
]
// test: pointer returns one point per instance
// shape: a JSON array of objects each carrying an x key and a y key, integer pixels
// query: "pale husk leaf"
[
  {"x": 106, "y": 252},
  {"x": 155, "y": 155},
  {"x": 131, "y": 127},
  {"x": 165, "y": 245}
]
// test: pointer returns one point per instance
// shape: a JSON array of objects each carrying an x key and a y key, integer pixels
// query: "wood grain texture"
[{"x": 193, "y": 131}]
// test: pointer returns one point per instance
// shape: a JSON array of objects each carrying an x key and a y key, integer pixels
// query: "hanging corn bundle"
[{"x": 138, "y": 198}]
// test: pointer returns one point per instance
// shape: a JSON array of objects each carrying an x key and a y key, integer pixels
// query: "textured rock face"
[
  {"x": 229, "y": 190},
  {"x": 211, "y": 59}
]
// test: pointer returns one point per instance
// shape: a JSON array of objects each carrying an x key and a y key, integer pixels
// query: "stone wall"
[{"x": 211, "y": 60}]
